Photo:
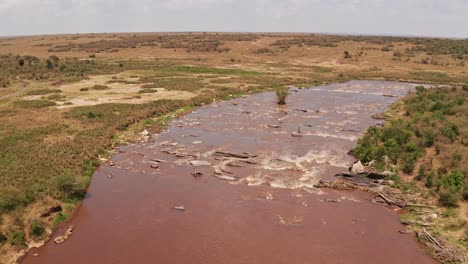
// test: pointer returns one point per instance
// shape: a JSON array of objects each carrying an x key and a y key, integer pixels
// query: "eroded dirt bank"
[{"x": 246, "y": 187}]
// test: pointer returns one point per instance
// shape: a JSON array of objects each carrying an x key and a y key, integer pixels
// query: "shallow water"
[{"x": 270, "y": 214}]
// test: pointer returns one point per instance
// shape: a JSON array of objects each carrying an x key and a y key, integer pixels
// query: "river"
[{"x": 260, "y": 207}]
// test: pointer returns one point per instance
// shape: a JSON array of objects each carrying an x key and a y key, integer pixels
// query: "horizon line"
[{"x": 240, "y": 32}]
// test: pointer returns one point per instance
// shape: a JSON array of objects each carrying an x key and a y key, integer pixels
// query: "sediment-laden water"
[{"x": 246, "y": 187}]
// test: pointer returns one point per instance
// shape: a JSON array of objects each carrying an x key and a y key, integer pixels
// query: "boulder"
[
  {"x": 199, "y": 163},
  {"x": 430, "y": 217},
  {"x": 180, "y": 208},
  {"x": 64, "y": 237},
  {"x": 226, "y": 178},
  {"x": 145, "y": 133},
  {"x": 357, "y": 168}
]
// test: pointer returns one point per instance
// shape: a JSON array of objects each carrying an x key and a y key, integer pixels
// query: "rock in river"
[{"x": 357, "y": 168}]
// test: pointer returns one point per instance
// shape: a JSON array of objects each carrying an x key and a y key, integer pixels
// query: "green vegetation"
[
  {"x": 100, "y": 87},
  {"x": 432, "y": 120},
  {"x": 200, "y": 70},
  {"x": 281, "y": 95},
  {"x": 43, "y": 91},
  {"x": 10, "y": 197},
  {"x": 56, "y": 97},
  {"x": 69, "y": 69},
  {"x": 36, "y": 229},
  {"x": 18, "y": 239},
  {"x": 34, "y": 103},
  {"x": 148, "y": 90},
  {"x": 188, "y": 42},
  {"x": 439, "y": 77},
  {"x": 59, "y": 218},
  {"x": 456, "y": 48}
]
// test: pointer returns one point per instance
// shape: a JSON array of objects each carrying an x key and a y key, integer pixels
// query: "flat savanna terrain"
[{"x": 66, "y": 100}]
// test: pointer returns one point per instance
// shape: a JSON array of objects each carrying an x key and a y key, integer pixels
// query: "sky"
[{"x": 438, "y": 18}]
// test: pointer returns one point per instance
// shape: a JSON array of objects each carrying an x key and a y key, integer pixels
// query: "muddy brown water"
[{"x": 270, "y": 214}]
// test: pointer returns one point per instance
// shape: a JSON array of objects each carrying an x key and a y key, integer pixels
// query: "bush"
[
  {"x": 10, "y": 198},
  {"x": 18, "y": 239},
  {"x": 148, "y": 90},
  {"x": 386, "y": 49},
  {"x": 450, "y": 131},
  {"x": 281, "y": 95},
  {"x": 56, "y": 97},
  {"x": 465, "y": 87},
  {"x": 420, "y": 89},
  {"x": 448, "y": 198},
  {"x": 100, "y": 87},
  {"x": 430, "y": 180},
  {"x": 36, "y": 229},
  {"x": 3, "y": 238},
  {"x": 68, "y": 187},
  {"x": 454, "y": 180},
  {"x": 421, "y": 173},
  {"x": 347, "y": 55},
  {"x": 429, "y": 138},
  {"x": 43, "y": 91},
  {"x": 34, "y": 103}
]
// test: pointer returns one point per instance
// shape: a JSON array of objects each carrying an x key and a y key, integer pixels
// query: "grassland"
[{"x": 65, "y": 99}]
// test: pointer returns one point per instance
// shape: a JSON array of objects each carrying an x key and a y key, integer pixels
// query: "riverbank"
[{"x": 423, "y": 141}]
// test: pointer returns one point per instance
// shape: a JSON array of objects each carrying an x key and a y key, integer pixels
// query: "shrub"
[
  {"x": 148, "y": 90},
  {"x": 100, "y": 87},
  {"x": 36, "y": 229},
  {"x": 56, "y": 97},
  {"x": 3, "y": 238},
  {"x": 43, "y": 91},
  {"x": 84, "y": 89},
  {"x": 465, "y": 87},
  {"x": 420, "y": 89},
  {"x": 50, "y": 64},
  {"x": 448, "y": 198},
  {"x": 347, "y": 55},
  {"x": 281, "y": 95},
  {"x": 68, "y": 187},
  {"x": 10, "y": 198},
  {"x": 18, "y": 239},
  {"x": 450, "y": 131},
  {"x": 386, "y": 49},
  {"x": 421, "y": 173},
  {"x": 454, "y": 180},
  {"x": 430, "y": 180},
  {"x": 34, "y": 103}
]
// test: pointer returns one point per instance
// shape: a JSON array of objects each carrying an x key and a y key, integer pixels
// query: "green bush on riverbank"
[{"x": 428, "y": 139}]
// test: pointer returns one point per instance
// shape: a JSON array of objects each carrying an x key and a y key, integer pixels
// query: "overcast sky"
[{"x": 444, "y": 18}]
